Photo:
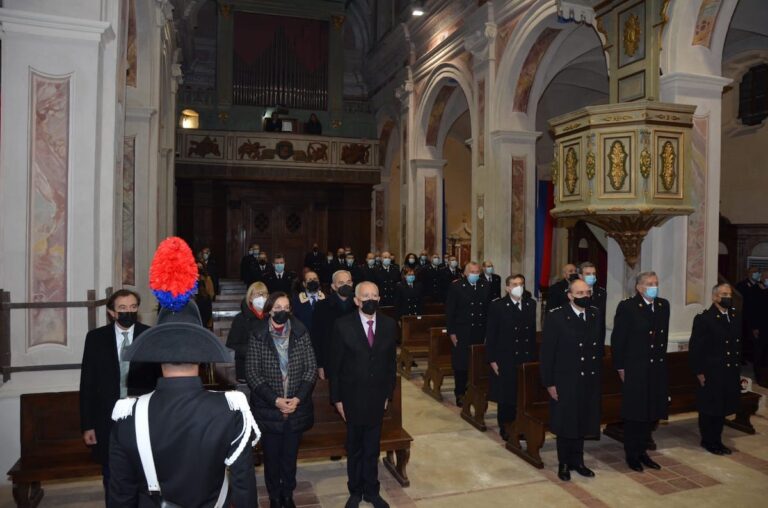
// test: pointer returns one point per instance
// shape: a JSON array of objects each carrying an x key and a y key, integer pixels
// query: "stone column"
[
  {"x": 510, "y": 222},
  {"x": 684, "y": 250},
  {"x": 406, "y": 186}
]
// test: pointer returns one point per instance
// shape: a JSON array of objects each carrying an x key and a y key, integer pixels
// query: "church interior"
[{"x": 526, "y": 133}]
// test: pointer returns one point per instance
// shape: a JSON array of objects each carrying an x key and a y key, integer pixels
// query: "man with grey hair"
[
  {"x": 639, "y": 350},
  {"x": 362, "y": 373},
  {"x": 715, "y": 349},
  {"x": 327, "y": 311},
  {"x": 465, "y": 314}
]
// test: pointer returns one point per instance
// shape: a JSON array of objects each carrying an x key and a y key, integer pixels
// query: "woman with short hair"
[{"x": 244, "y": 324}]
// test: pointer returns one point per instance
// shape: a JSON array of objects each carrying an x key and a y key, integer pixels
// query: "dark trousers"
[
  {"x": 759, "y": 360},
  {"x": 105, "y": 482},
  {"x": 636, "y": 438},
  {"x": 363, "y": 450},
  {"x": 505, "y": 414},
  {"x": 460, "y": 377},
  {"x": 281, "y": 451},
  {"x": 711, "y": 428},
  {"x": 570, "y": 451}
]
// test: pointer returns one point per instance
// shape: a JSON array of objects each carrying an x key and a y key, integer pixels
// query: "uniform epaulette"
[
  {"x": 556, "y": 308},
  {"x": 123, "y": 409},
  {"x": 496, "y": 299},
  {"x": 237, "y": 401}
]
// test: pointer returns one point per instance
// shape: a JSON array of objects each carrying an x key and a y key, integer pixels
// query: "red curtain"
[{"x": 307, "y": 39}]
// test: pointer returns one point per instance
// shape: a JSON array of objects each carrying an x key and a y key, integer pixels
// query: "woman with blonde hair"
[{"x": 244, "y": 324}]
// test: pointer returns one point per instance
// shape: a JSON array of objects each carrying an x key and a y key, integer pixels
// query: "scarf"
[{"x": 281, "y": 339}]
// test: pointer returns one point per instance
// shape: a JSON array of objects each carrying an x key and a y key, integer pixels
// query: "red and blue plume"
[{"x": 173, "y": 274}]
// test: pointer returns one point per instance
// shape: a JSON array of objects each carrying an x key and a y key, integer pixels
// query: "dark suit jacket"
[
  {"x": 100, "y": 383},
  {"x": 326, "y": 313},
  {"x": 363, "y": 377},
  {"x": 494, "y": 285},
  {"x": 284, "y": 283},
  {"x": 556, "y": 295}
]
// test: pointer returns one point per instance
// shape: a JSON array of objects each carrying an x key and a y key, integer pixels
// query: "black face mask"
[
  {"x": 314, "y": 250},
  {"x": 262, "y": 261},
  {"x": 280, "y": 317},
  {"x": 345, "y": 291},
  {"x": 583, "y": 301},
  {"x": 369, "y": 307},
  {"x": 127, "y": 319},
  {"x": 726, "y": 302},
  {"x": 572, "y": 277},
  {"x": 313, "y": 286}
]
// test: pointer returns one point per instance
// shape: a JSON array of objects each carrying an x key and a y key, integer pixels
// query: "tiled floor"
[{"x": 454, "y": 465}]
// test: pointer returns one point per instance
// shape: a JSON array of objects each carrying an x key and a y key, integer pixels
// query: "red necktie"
[{"x": 370, "y": 333}]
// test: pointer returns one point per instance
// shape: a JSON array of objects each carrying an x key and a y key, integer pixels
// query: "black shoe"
[
  {"x": 275, "y": 503},
  {"x": 648, "y": 462},
  {"x": 287, "y": 501},
  {"x": 377, "y": 501},
  {"x": 504, "y": 434},
  {"x": 635, "y": 465},
  {"x": 335, "y": 457},
  {"x": 716, "y": 450},
  {"x": 459, "y": 401},
  {"x": 353, "y": 501},
  {"x": 725, "y": 450},
  {"x": 563, "y": 473},
  {"x": 582, "y": 470}
]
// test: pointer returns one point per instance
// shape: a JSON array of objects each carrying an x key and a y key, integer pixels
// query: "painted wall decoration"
[
  {"x": 530, "y": 66},
  {"x": 133, "y": 51},
  {"x": 129, "y": 211},
  {"x": 430, "y": 213},
  {"x": 378, "y": 200},
  {"x": 386, "y": 133},
  {"x": 695, "y": 291},
  {"x": 518, "y": 213},
  {"x": 436, "y": 114},
  {"x": 504, "y": 34},
  {"x": 632, "y": 35},
  {"x": 480, "y": 199},
  {"x": 49, "y": 175},
  {"x": 705, "y": 22},
  {"x": 481, "y": 121}
]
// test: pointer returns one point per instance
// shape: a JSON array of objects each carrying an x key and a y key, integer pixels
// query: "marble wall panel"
[
  {"x": 129, "y": 211},
  {"x": 695, "y": 292}
]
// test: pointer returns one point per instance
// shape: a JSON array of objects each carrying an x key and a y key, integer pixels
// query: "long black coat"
[
  {"x": 408, "y": 300},
  {"x": 510, "y": 340},
  {"x": 192, "y": 432},
  {"x": 556, "y": 295},
  {"x": 100, "y": 383},
  {"x": 639, "y": 346},
  {"x": 599, "y": 300},
  {"x": 430, "y": 277},
  {"x": 494, "y": 285},
  {"x": 266, "y": 382},
  {"x": 571, "y": 356},
  {"x": 466, "y": 312},
  {"x": 281, "y": 282},
  {"x": 386, "y": 280},
  {"x": 327, "y": 311},
  {"x": 248, "y": 266},
  {"x": 243, "y": 326},
  {"x": 360, "y": 376},
  {"x": 447, "y": 278},
  {"x": 714, "y": 350}
]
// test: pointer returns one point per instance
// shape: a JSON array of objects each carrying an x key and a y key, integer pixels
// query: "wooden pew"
[
  {"x": 532, "y": 420},
  {"x": 415, "y": 340},
  {"x": 476, "y": 397},
  {"x": 328, "y": 435},
  {"x": 52, "y": 445},
  {"x": 438, "y": 362},
  {"x": 433, "y": 308}
]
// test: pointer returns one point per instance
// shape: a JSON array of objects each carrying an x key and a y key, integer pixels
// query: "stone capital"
[
  {"x": 515, "y": 137},
  {"x": 480, "y": 43},
  {"x": 692, "y": 85},
  {"x": 15, "y": 21},
  {"x": 426, "y": 164}
]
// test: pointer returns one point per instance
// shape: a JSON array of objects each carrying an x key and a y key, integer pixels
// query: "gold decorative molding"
[
  {"x": 337, "y": 21},
  {"x": 591, "y": 164},
  {"x": 617, "y": 173},
  {"x": 571, "y": 175},
  {"x": 631, "y": 36},
  {"x": 645, "y": 163},
  {"x": 668, "y": 173},
  {"x": 225, "y": 10}
]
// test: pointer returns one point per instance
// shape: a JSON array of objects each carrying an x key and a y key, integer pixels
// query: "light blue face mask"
[
  {"x": 488, "y": 270},
  {"x": 590, "y": 279},
  {"x": 371, "y": 262},
  {"x": 386, "y": 261},
  {"x": 756, "y": 276},
  {"x": 350, "y": 261},
  {"x": 652, "y": 291},
  {"x": 410, "y": 279},
  {"x": 473, "y": 278},
  {"x": 454, "y": 263},
  {"x": 435, "y": 261},
  {"x": 279, "y": 267}
]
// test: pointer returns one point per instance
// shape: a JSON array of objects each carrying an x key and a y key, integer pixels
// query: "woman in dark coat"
[
  {"x": 409, "y": 295},
  {"x": 281, "y": 372},
  {"x": 245, "y": 323}
]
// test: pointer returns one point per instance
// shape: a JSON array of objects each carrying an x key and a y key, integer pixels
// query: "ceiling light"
[{"x": 417, "y": 9}]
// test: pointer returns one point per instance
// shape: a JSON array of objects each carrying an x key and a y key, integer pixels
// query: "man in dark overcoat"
[
  {"x": 714, "y": 352},
  {"x": 639, "y": 349},
  {"x": 571, "y": 356},
  {"x": 510, "y": 340},
  {"x": 465, "y": 314}
]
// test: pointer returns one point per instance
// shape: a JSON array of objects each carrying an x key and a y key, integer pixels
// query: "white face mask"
[
  {"x": 517, "y": 291},
  {"x": 258, "y": 302}
]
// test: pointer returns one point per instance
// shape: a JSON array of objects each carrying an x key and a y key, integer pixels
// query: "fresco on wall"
[
  {"x": 705, "y": 22},
  {"x": 132, "y": 52},
  {"x": 504, "y": 34},
  {"x": 518, "y": 213},
  {"x": 49, "y": 158},
  {"x": 481, "y": 120},
  {"x": 695, "y": 292},
  {"x": 386, "y": 132},
  {"x": 430, "y": 213},
  {"x": 530, "y": 66},
  {"x": 436, "y": 114},
  {"x": 129, "y": 211},
  {"x": 379, "y": 219}
]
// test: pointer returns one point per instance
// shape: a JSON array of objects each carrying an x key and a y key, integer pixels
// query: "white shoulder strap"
[{"x": 143, "y": 443}]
